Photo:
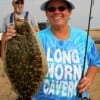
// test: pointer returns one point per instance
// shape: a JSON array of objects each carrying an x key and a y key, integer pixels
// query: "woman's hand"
[
  {"x": 84, "y": 84},
  {"x": 87, "y": 80}
]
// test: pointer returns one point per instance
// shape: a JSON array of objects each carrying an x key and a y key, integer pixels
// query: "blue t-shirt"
[{"x": 65, "y": 62}]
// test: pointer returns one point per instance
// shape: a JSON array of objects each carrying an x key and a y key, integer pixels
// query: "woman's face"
[{"x": 57, "y": 13}]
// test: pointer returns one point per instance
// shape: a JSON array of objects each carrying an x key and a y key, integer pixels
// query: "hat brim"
[{"x": 44, "y": 5}]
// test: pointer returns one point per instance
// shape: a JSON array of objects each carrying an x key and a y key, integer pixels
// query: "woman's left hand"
[{"x": 84, "y": 84}]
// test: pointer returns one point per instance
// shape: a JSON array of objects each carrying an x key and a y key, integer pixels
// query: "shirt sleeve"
[
  {"x": 32, "y": 20},
  {"x": 94, "y": 54},
  {"x": 6, "y": 22},
  {"x": 4, "y": 25}
]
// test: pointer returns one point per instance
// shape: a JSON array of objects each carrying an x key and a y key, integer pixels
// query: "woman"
[{"x": 64, "y": 46}]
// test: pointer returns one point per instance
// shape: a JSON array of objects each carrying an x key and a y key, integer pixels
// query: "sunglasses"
[
  {"x": 53, "y": 9},
  {"x": 19, "y": 2}
]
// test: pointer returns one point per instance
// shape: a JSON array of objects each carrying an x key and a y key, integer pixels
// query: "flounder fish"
[{"x": 25, "y": 61}]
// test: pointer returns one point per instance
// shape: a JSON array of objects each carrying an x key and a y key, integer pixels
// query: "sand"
[{"x": 6, "y": 91}]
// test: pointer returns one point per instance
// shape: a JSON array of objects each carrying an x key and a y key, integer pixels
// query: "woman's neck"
[{"x": 61, "y": 33}]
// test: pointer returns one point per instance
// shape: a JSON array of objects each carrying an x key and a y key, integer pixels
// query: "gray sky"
[{"x": 79, "y": 16}]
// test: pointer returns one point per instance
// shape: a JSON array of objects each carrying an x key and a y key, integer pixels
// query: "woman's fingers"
[{"x": 84, "y": 84}]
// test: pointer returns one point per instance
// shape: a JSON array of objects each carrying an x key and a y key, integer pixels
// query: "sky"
[{"x": 79, "y": 18}]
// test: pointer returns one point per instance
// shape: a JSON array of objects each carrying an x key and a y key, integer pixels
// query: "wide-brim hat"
[{"x": 44, "y": 5}]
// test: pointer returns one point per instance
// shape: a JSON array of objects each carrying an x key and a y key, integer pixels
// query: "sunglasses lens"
[
  {"x": 61, "y": 8},
  {"x": 53, "y": 9},
  {"x": 19, "y": 2}
]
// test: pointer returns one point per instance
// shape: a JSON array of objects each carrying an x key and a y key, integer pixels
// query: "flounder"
[{"x": 25, "y": 61}]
